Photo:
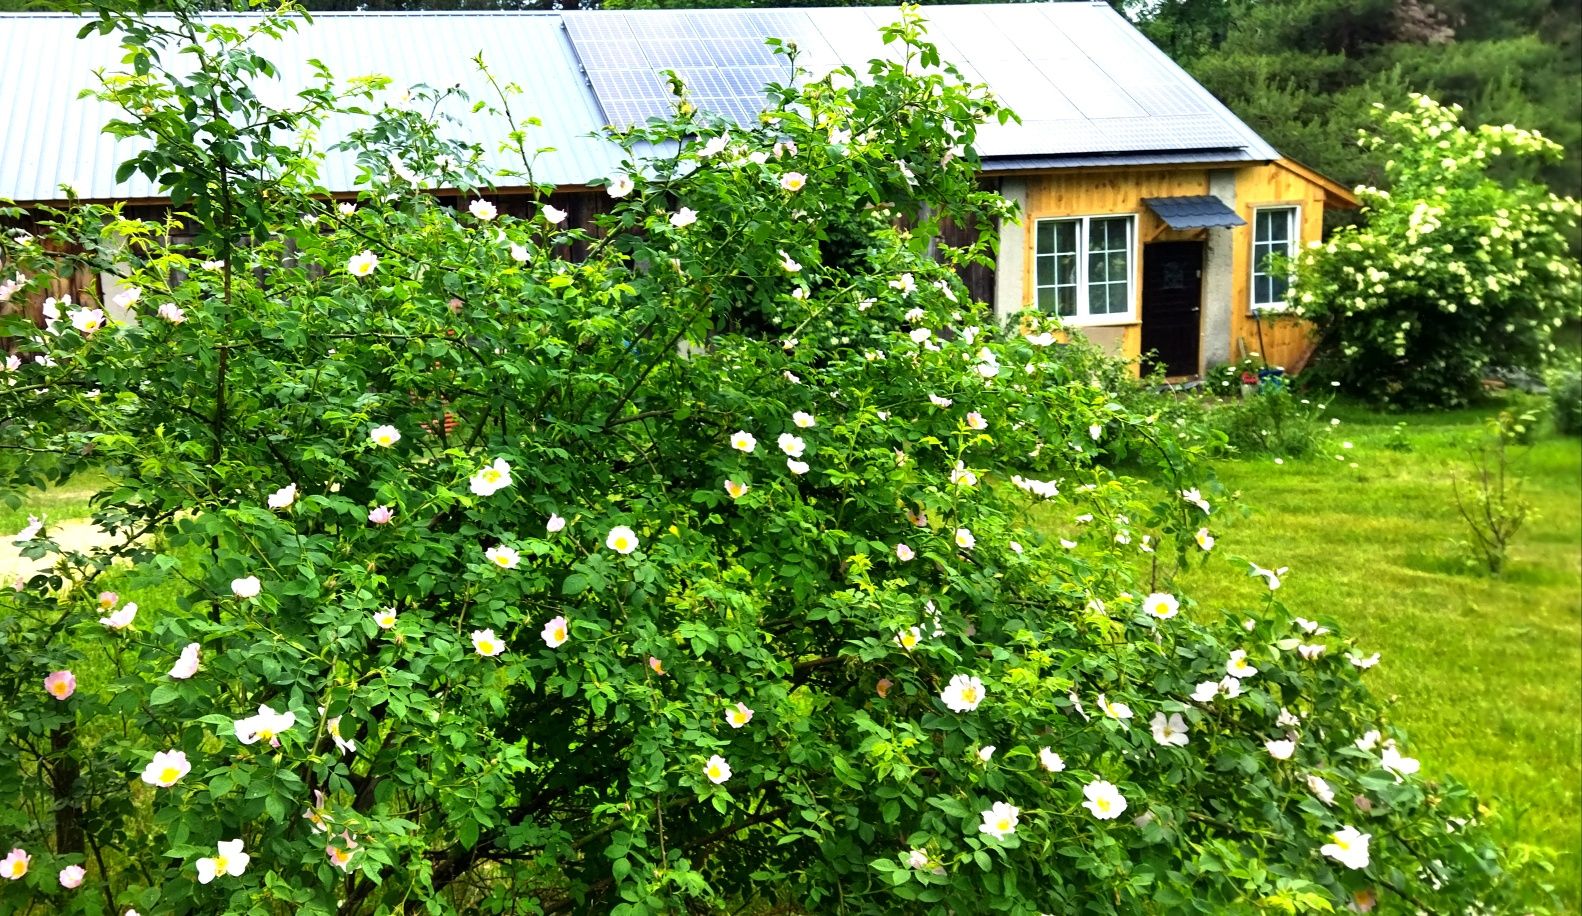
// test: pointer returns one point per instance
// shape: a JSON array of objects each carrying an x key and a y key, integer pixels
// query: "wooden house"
[{"x": 1149, "y": 209}]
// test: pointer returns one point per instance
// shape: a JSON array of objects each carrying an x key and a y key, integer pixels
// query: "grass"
[
  {"x": 1484, "y": 673},
  {"x": 57, "y": 504}
]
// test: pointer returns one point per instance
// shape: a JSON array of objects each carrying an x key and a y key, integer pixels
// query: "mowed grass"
[
  {"x": 1484, "y": 673},
  {"x": 58, "y": 504}
]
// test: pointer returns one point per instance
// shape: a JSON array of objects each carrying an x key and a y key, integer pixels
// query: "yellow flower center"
[
  {"x": 491, "y": 475},
  {"x": 970, "y": 695},
  {"x": 169, "y": 774},
  {"x": 1103, "y": 804},
  {"x": 486, "y": 647},
  {"x": 621, "y": 543},
  {"x": 220, "y": 863},
  {"x": 1003, "y": 825},
  {"x": 268, "y": 734},
  {"x": 714, "y": 772},
  {"x": 58, "y": 689},
  {"x": 558, "y": 633}
]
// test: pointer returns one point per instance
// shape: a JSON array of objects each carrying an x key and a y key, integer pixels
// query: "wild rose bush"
[
  {"x": 703, "y": 571},
  {"x": 1453, "y": 273}
]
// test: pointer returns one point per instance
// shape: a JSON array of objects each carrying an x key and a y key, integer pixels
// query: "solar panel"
[{"x": 722, "y": 59}]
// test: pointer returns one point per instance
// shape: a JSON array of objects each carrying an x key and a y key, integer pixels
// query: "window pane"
[
  {"x": 1066, "y": 236},
  {"x": 1260, "y": 260},
  {"x": 1066, "y": 269},
  {"x": 1109, "y": 261},
  {"x": 1275, "y": 235},
  {"x": 1117, "y": 298},
  {"x": 1066, "y": 296},
  {"x": 1275, "y": 226},
  {"x": 1281, "y": 231},
  {"x": 1055, "y": 266},
  {"x": 1100, "y": 237}
]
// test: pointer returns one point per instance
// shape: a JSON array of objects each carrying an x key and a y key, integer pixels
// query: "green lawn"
[
  {"x": 1485, "y": 673},
  {"x": 58, "y": 504}
]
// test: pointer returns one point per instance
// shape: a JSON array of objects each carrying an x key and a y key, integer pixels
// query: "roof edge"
[
  {"x": 1230, "y": 156},
  {"x": 1335, "y": 193}
]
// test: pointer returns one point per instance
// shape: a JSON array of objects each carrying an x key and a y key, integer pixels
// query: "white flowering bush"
[
  {"x": 711, "y": 570},
  {"x": 1452, "y": 272}
]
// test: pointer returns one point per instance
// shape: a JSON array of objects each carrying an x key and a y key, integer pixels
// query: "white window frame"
[
  {"x": 1293, "y": 244},
  {"x": 1083, "y": 317}
]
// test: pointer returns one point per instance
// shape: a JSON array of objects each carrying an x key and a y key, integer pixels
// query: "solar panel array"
[{"x": 722, "y": 60}]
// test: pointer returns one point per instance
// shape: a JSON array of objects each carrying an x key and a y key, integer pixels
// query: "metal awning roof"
[{"x": 1201, "y": 212}]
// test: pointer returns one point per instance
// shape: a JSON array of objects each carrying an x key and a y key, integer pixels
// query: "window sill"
[{"x": 1107, "y": 321}]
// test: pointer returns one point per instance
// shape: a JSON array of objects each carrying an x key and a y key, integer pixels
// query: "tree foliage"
[
  {"x": 1306, "y": 73},
  {"x": 707, "y": 571}
]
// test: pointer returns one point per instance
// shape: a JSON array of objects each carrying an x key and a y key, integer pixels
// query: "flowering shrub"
[
  {"x": 1452, "y": 272},
  {"x": 1565, "y": 398},
  {"x": 696, "y": 573}
]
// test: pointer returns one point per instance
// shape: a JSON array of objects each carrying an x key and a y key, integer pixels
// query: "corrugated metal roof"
[
  {"x": 50, "y": 136},
  {"x": 1083, "y": 80},
  {"x": 1200, "y": 211},
  {"x": 1208, "y": 157}
]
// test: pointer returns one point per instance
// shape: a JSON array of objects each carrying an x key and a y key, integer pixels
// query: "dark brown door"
[{"x": 1172, "y": 303}]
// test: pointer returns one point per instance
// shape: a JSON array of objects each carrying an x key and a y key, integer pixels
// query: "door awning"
[{"x": 1204, "y": 212}]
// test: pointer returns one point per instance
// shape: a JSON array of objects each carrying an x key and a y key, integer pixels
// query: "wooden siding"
[
  {"x": 1286, "y": 341},
  {"x": 1106, "y": 193},
  {"x": 1090, "y": 192}
]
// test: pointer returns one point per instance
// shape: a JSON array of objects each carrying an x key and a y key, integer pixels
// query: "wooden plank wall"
[
  {"x": 1090, "y": 192},
  {"x": 81, "y": 285},
  {"x": 1087, "y": 192},
  {"x": 979, "y": 278},
  {"x": 1286, "y": 341}
]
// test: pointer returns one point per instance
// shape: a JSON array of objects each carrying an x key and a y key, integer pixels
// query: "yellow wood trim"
[{"x": 1335, "y": 193}]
